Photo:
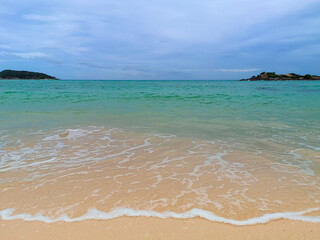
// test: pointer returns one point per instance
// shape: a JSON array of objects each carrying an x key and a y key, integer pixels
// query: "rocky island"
[
  {"x": 11, "y": 74},
  {"x": 272, "y": 76}
]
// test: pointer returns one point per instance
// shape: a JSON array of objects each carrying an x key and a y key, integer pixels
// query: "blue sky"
[{"x": 160, "y": 39}]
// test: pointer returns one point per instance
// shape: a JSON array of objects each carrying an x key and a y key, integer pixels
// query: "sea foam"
[{"x": 95, "y": 214}]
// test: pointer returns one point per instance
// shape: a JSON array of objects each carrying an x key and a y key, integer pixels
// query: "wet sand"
[
  {"x": 75, "y": 170},
  {"x": 153, "y": 228}
]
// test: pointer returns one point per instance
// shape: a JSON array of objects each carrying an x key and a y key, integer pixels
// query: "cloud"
[
  {"x": 94, "y": 65},
  {"x": 26, "y": 55},
  {"x": 42, "y": 18},
  {"x": 189, "y": 39},
  {"x": 239, "y": 70},
  {"x": 30, "y": 55},
  {"x": 5, "y": 46}
]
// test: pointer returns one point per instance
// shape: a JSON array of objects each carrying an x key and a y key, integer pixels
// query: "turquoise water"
[{"x": 287, "y": 112}]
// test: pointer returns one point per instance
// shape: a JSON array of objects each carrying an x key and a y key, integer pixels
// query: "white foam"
[
  {"x": 71, "y": 134},
  {"x": 304, "y": 164},
  {"x": 94, "y": 214},
  {"x": 309, "y": 146},
  {"x": 28, "y": 165}
]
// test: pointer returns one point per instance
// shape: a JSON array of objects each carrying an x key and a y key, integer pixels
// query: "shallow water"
[{"x": 222, "y": 150}]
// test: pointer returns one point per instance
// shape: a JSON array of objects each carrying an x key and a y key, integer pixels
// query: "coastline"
[
  {"x": 190, "y": 160},
  {"x": 154, "y": 228}
]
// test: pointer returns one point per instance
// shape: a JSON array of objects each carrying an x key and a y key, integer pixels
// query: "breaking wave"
[{"x": 95, "y": 214}]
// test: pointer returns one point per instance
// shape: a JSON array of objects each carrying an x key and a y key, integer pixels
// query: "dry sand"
[{"x": 154, "y": 228}]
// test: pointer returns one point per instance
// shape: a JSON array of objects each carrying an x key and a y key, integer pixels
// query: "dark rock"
[
  {"x": 272, "y": 76},
  {"x": 11, "y": 74}
]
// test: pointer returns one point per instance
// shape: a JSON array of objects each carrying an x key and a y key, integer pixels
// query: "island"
[
  {"x": 272, "y": 76},
  {"x": 12, "y": 74}
]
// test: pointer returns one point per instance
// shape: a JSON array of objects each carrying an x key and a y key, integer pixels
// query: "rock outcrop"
[
  {"x": 272, "y": 76},
  {"x": 11, "y": 74}
]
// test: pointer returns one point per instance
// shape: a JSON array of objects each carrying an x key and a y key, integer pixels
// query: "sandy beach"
[{"x": 152, "y": 228}]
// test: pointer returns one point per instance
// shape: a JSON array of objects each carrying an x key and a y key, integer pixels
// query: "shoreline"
[
  {"x": 155, "y": 228},
  {"x": 308, "y": 216}
]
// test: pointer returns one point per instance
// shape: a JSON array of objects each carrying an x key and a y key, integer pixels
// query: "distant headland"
[
  {"x": 272, "y": 76},
  {"x": 11, "y": 74}
]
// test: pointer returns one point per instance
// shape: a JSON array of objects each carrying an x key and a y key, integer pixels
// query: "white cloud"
[
  {"x": 239, "y": 70},
  {"x": 41, "y": 18},
  {"x": 26, "y": 55},
  {"x": 30, "y": 55}
]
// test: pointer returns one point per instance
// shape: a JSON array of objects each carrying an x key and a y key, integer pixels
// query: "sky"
[{"x": 160, "y": 39}]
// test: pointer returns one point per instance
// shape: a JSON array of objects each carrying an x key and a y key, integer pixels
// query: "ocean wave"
[{"x": 95, "y": 214}]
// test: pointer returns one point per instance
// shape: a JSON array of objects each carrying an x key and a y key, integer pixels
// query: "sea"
[{"x": 238, "y": 152}]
